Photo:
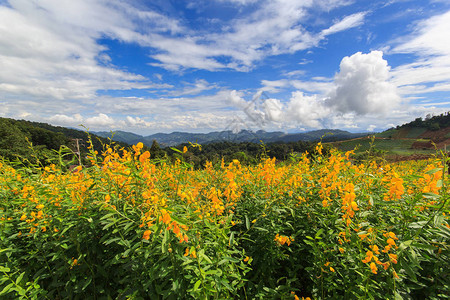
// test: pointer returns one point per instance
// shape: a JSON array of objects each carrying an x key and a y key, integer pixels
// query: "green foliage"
[
  {"x": 129, "y": 227},
  {"x": 35, "y": 142}
]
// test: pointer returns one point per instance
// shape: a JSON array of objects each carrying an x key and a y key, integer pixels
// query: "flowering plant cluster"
[{"x": 317, "y": 227}]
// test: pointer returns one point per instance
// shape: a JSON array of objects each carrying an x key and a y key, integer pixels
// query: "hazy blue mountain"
[
  {"x": 176, "y": 138},
  {"x": 121, "y": 136}
]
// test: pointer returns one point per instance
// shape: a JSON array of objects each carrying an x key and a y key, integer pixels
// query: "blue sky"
[{"x": 209, "y": 65}]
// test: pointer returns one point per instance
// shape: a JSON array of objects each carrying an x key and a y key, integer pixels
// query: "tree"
[
  {"x": 156, "y": 151},
  {"x": 13, "y": 142}
]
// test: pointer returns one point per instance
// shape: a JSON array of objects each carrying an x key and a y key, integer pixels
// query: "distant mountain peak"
[{"x": 244, "y": 135}]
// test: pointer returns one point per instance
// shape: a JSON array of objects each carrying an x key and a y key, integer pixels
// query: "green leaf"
[
  {"x": 176, "y": 150},
  {"x": 423, "y": 246},
  {"x": 6, "y": 289},
  {"x": 87, "y": 283},
  {"x": 430, "y": 195},
  {"x": 197, "y": 284},
  {"x": 417, "y": 225},
  {"x": 318, "y": 234},
  {"x": 408, "y": 270},
  {"x": 261, "y": 229},
  {"x": 231, "y": 240},
  {"x": 227, "y": 259},
  {"x": 444, "y": 231},
  {"x": 433, "y": 171},
  {"x": 247, "y": 223},
  {"x": 404, "y": 245},
  {"x": 6, "y": 249},
  {"x": 19, "y": 279},
  {"x": 110, "y": 241},
  {"x": 164, "y": 246},
  {"x": 4, "y": 269},
  {"x": 203, "y": 255},
  {"x": 438, "y": 220}
]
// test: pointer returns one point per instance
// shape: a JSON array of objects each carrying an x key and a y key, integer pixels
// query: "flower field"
[{"x": 320, "y": 226}]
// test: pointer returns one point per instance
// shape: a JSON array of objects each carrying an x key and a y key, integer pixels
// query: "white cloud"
[
  {"x": 49, "y": 48},
  {"x": 300, "y": 109},
  {"x": 346, "y": 23},
  {"x": 360, "y": 89},
  {"x": 272, "y": 28},
  {"x": 313, "y": 86},
  {"x": 431, "y": 71},
  {"x": 273, "y": 86},
  {"x": 196, "y": 88},
  {"x": 138, "y": 122},
  {"x": 101, "y": 120},
  {"x": 306, "y": 110},
  {"x": 362, "y": 85},
  {"x": 240, "y": 2},
  {"x": 60, "y": 119},
  {"x": 295, "y": 73},
  {"x": 273, "y": 109}
]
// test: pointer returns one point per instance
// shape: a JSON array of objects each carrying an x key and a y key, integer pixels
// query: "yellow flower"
[
  {"x": 391, "y": 242},
  {"x": 393, "y": 257},
  {"x": 369, "y": 256},
  {"x": 373, "y": 268},
  {"x": 375, "y": 249},
  {"x": 144, "y": 156},
  {"x": 146, "y": 235}
]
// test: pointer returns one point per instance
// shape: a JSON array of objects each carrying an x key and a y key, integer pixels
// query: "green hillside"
[
  {"x": 419, "y": 137},
  {"x": 17, "y": 137}
]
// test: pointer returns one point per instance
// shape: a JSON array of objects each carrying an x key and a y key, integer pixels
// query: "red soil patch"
[{"x": 436, "y": 136}]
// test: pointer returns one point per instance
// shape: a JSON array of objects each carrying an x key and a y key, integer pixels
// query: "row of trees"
[
  {"x": 431, "y": 122},
  {"x": 32, "y": 141},
  {"x": 246, "y": 152}
]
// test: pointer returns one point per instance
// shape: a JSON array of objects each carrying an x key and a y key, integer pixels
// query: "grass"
[{"x": 388, "y": 146}]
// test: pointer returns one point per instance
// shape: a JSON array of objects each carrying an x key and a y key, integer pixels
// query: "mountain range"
[{"x": 176, "y": 138}]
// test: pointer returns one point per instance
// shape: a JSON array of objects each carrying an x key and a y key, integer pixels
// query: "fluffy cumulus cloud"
[
  {"x": 307, "y": 110},
  {"x": 138, "y": 122},
  {"x": 94, "y": 122},
  {"x": 101, "y": 120},
  {"x": 363, "y": 86},
  {"x": 66, "y": 120}
]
